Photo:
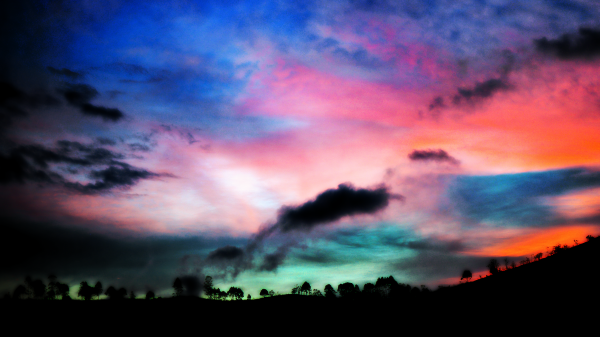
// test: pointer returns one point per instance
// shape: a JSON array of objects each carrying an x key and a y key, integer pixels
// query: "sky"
[{"x": 268, "y": 143}]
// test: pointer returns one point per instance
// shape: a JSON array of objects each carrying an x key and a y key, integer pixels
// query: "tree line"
[{"x": 384, "y": 287}]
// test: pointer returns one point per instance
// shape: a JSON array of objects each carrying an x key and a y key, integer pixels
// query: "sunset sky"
[{"x": 145, "y": 140}]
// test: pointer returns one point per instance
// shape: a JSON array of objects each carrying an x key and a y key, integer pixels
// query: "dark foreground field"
[{"x": 560, "y": 289}]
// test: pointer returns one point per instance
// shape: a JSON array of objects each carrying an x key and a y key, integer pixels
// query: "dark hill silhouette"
[
  {"x": 553, "y": 288},
  {"x": 567, "y": 275}
]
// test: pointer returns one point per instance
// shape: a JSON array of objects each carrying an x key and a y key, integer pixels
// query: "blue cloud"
[{"x": 517, "y": 199}]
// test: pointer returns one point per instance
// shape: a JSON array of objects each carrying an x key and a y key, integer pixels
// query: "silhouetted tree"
[
  {"x": 63, "y": 290},
  {"x": 305, "y": 289},
  {"x": 85, "y": 291},
  {"x": 220, "y": 295},
  {"x": 208, "y": 286},
  {"x": 131, "y": 295},
  {"x": 296, "y": 290},
  {"x": 513, "y": 265},
  {"x": 98, "y": 289},
  {"x": 369, "y": 290},
  {"x": 493, "y": 266},
  {"x": 271, "y": 293},
  {"x": 52, "y": 290},
  {"x": 20, "y": 292},
  {"x": 150, "y": 295},
  {"x": 347, "y": 290},
  {"x": 466, "y": 275},
  {"x": 249, "y": 297},
  {"x": 114, "y": 294},
  {"x": 589, "y": 238},
  {"x": 329, "y": 291},
  {"x": 264, "y": 292},
  {"x": 35, "y": 288},
  {"x": 317, "y": 293},
  {"x": 178, "y": 287},
  {"x": 235, "y": 293},
  {"x": 506, "y": 264},
  {"x": 538, "y": 256}
]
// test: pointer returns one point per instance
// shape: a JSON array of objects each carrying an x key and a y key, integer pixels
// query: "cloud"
[
  {"x": 65, "y": 72},
  {"x": 32, "y": 163},
  {"x": 229, "y": 259},
  {"x": 120, "y": 176},
  {"x": 80, "y": 95},
  {"x": 480, "y": 91},
  {"x": 100, "y": 111},
  {"x": 438, "y": 155},
  {"x": 14, "y": 103},
  {"x": 332, "y": 205},
  {"x": 517, "y": 199},
  {"x": 328, "y": 207},
  {"x": 584, "y": 45},
  {"x": 272, "y": 261},
  {"x": 437, "y": 103}
]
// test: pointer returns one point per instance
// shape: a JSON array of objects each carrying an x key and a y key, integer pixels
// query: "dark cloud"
[
  {"x": 122, "y": 176},
  {"x": 226, "y": 253},
  {"x": 438, "y": 155},
  {"x": 437, "y": 103},
  {"x": 229, "y": 259},
  {"x": 584, "y": 45},
  {"x": 517, "y": 199},
  {"x": 15, "y": 102},
  {"x": 32, "y": 163},
  {"x": 332, "y": 205},
  {"x": 329, "y": 206},
  {"x": 106, "y": 141},
  {"x": 139, "y": 147},
  {"x": 272, "y": 261},
  {"x": 100, "y": 111},
  {"x": 65, "y": 72},
  {"x": 80, "y": 95},
  {"x": 480, "y": 91}
]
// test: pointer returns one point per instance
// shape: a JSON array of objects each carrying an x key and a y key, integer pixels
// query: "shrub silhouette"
[{"x": 264, "y": 292}]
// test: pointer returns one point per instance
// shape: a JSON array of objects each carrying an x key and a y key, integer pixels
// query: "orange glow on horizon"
[{"x": 537, "y": 241}]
